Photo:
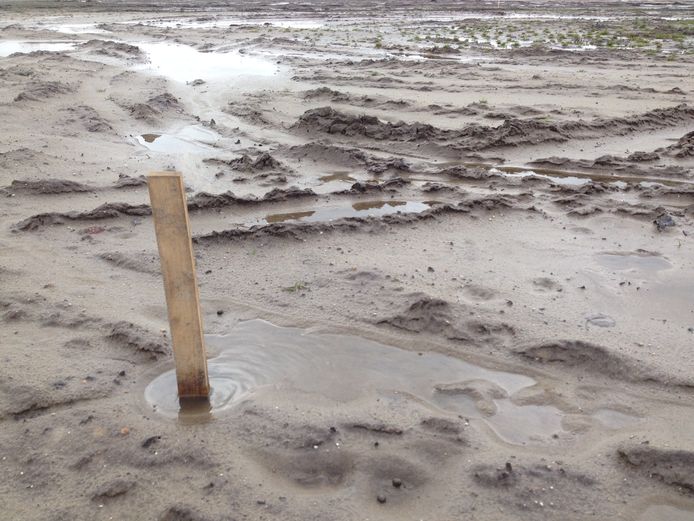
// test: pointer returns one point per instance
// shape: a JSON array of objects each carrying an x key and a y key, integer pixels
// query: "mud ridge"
[
  {"x": 204, "y": 200},
  {"x": 591, "y": 358},
  {"x": 512, "y": 132},
  {"x": 105, "y": 211},
  {"x": 298, "y": 230},
  {"x": 672, "y": 467},
  {"x": 48, "y": 186}
]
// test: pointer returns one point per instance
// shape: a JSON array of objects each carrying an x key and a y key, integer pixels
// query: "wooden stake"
[{"x": 172, "y": 227}]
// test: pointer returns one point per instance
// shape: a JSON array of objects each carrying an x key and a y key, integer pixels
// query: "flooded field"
[{"x": 440, "y": 247}]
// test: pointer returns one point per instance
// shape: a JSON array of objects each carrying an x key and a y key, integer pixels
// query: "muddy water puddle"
[
  {"x": 193, "y": 139},
  {"x": 376, "y": 208},
  {"x": 9, "y": 47},
  {"x": 258, "y": 355},
  {"x": 185, "y": 64}
]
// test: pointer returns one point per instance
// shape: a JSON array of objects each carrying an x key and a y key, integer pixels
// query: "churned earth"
[{"x": 445, "y": 256}]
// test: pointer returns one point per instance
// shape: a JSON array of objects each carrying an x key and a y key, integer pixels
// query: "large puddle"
[
  {"x": 10, "y": 47},
  {"x": 185, "y": 64},
  {"x": 345, "y": 368},
  {"x": 360, "y": 209},
  {"x": 193, "y": 139},
  {"x": 567, "y": 180},
  {"x": 225, "y": 23}
]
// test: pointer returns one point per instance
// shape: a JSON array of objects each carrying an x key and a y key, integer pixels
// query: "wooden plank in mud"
[{"x": 167, "y": 195}]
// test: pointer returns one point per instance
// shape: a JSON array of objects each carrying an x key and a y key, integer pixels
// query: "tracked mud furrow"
[{"x": 512, "y": 132}]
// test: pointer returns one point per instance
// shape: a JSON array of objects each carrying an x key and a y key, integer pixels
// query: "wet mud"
[{"x": 441, "y": 247}]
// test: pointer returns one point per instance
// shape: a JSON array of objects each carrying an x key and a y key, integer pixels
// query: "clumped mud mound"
[
  {"x": 113, "y": 49},
  {"x": 89, "y": 118},
  {"x": 43, "y": 90},
  {"x": 246, "y": 163},
  {"x": 438, "y": 317},
  {"x": 155, "y": 107},
  {"x": 684, "y": 146},
  {"x": 583, "y": 355}
]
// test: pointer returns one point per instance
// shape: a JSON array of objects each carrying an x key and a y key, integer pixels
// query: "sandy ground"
[{"x": 444, "y": 251}]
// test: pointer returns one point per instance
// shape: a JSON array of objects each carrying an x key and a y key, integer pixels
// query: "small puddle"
[
  {"x": 612, "y": 419},
  {"x": 567, "y": 180},
  {"x": 189, "y": 140},
  {"x": 85, "y": 28},
  {"x": 642, "y": 261},
  {"x": 574, "y": 178},
  {"x": 344, "y": 368},
  {"x": 184, "y": 63},
  {"x": 666, "y": 512},
  {"x": 342, "y": 177},
  {"x": 10, "y": 47},
  {"x": 360, "y": 209}
]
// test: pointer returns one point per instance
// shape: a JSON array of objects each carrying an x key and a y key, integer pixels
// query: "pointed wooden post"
[{"x": 172, "y": 227}]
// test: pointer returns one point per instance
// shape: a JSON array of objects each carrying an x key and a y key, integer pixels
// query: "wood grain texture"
[{"x": 167, "y": 195}]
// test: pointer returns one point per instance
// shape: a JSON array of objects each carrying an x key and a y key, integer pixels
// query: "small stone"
[
  {"x": 381, "y": 498},
  {"x": 220, "y": 312},
  {"x": 664, "y": 221},
  {"x": 397, "y": 483}
]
